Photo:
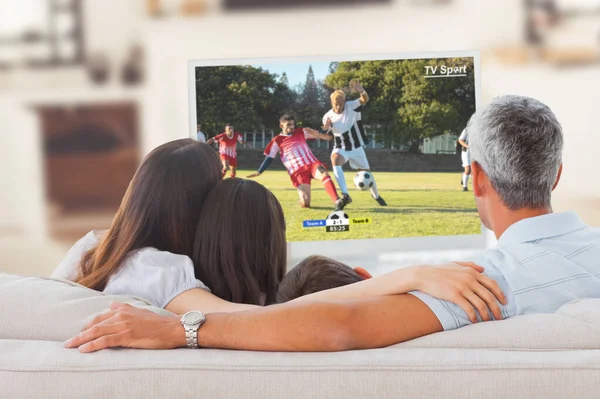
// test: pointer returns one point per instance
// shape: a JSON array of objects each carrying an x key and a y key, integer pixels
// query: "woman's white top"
[{"x": 157, "y": 276}]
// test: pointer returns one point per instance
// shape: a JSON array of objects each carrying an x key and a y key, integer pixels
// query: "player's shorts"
[
  {"x": 305, "y": 174},
  {"x": 232, "y": 161},
  {"x": 357, "y": 157},
  {"x": 466, "y": 158}
]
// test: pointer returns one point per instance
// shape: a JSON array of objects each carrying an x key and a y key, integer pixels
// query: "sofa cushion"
[
  {"x": 43, "y": 369},
  {"x": 576, "y": 325},
  {"x": 44, "y": 308}
]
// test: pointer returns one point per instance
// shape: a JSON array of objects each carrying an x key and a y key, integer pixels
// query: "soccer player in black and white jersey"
[
  {"x": 349, "y": 138},
  {"x": 463, "y": 140}
]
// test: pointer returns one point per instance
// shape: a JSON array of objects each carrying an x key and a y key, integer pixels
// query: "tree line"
[{"x": 405, "y": 107}]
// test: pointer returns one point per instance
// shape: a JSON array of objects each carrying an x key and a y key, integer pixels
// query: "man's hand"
[
  {"x": 131, "y": 327},
  {"x": 464, "y": 284},
  {"x": 311, "y": 132},
  {"x": 327, "y": 125},
  {"x": 255, "y": 174},
  {"x": 210, "y": 141},
  {"x": 354, "y": 85}
]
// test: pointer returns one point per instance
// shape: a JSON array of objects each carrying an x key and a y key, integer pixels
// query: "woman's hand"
[{"x": 464, "y": 284}]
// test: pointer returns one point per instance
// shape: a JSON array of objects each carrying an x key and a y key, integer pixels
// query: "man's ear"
[
  {"x": 557, "y": 177},
  {"x": 478, "y": 178},
  {"x": 363, "y": 273}
]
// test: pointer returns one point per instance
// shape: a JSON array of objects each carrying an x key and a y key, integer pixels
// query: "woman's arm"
[
  {"x": 460, "y": 283},
  {"x": 199, "y": 299}
]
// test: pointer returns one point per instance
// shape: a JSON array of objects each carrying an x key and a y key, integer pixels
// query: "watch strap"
[{"x": 191, "y": 336}]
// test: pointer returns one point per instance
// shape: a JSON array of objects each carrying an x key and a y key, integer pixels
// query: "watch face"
[{"x": 193, "y": 318}]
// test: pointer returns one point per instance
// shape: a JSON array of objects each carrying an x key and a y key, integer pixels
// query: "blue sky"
[{"x": 296, "y": 72}]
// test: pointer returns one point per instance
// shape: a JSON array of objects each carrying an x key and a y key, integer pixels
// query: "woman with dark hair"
[
  {"x": 240, "y": 247},
  {"x": 147, "y": 250}
]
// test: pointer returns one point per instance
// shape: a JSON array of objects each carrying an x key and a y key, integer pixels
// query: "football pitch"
[{"x": 419, "y": 204}]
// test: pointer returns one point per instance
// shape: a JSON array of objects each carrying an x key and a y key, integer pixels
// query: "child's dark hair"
[
  {"x": 240, "y": 246},
  {"x": 314, "y": 274}
]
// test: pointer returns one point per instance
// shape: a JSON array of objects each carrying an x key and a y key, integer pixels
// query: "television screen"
[{"x": 363, "y": 153}]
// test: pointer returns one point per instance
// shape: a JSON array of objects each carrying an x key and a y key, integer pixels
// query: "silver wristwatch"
[{"x": 192, "y": 321}]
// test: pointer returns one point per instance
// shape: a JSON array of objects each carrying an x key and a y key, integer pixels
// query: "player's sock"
[
  {"x": 374, "y": 190},
  {"x": 467, "y": 180},
  {"x": 330, "y": 188},
  {"x": 338, "y": 172},
  {"x": 232, "y": 175}
]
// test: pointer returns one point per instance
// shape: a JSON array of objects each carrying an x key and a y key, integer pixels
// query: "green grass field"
[{"x": 419, "y": 204}]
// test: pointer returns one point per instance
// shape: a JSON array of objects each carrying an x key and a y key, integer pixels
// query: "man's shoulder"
[
  {"x": 274, "y": 140},
  {"x": 553, "y": 268},
  {"x": 299, "y": 131},
  {"x": 353, "y": 105}
]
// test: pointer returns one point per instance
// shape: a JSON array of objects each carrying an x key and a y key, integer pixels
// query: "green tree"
[
  {"x": 284, "y": 80},
  {"x": 435, "y": 106},
  {"x": 284, "y": 101},
  {"x": 309, "y": 109},
  {"x": 242, "y": 95},
  {"x": 406, "y": 107}
]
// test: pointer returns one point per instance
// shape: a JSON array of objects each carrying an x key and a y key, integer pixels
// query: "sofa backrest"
[
  {"x": 50, "y": 309},
  {"x": 54, "y": 310},
  {"x": 576, "y": 325}
]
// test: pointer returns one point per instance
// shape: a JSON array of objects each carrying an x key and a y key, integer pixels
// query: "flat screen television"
[{"x": 400, "y": 138}]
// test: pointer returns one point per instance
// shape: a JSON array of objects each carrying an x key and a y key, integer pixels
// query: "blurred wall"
[{"x": 113, "y": 26}]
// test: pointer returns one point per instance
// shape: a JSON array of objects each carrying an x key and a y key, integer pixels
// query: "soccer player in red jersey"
[
  {"x": 228, "y": 148},
  {"x": 299, "y": 160}
]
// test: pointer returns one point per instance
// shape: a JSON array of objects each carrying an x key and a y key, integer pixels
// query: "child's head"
[
  {"x": 317, "y": 273},
  {"x": 240, "y": 248}
]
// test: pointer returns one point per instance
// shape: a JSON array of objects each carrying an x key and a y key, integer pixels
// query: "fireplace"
[{"x": 91, "y": 152}]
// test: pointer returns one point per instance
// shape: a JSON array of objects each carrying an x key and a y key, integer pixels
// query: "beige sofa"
[{"x": 540, "y": 356}]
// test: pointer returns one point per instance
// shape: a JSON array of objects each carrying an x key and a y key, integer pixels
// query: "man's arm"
[
  {"x": 364, "y": 97},
  {"x": 312, "y": 133},
  {"x": 218, "y": 137},
  {"x": 301, "y": 326},
  {"x": 322, "y": 326},
  {"x": 462, "y": 139},
  {"x": 264, "y": 166},
  {"x": 242, "y": 141}
]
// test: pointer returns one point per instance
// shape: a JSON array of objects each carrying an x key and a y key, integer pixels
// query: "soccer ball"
[
  {"x": 338, "y": 215},
  {"x": 363, "y": 180}
]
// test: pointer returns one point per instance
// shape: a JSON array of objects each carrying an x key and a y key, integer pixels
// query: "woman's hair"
[
  {"x": 240, "y": 249},
  {"x": 160, "y": 209},
  {"x": 315, "y": 273}
]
